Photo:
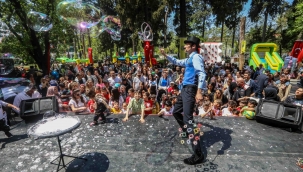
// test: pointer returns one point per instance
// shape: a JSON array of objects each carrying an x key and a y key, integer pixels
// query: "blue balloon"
[{"x": 55, "y": 74}]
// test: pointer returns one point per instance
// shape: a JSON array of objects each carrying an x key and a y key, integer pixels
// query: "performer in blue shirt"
[{"x": 193, "y": 85}]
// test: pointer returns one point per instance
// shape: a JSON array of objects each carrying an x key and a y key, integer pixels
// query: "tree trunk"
[
  {"x": 182, "y": 18},
  {"x": 222, "y": 31},
  {"x": 203, "y": 27},
  {"x": 242, "y": 38},
  {"x": 83, "y": 45},
  {"x": 264, "y": 26}
]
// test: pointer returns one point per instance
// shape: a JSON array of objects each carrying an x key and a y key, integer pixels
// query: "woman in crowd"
[
  {"x": 211, "y": 90},
  {"x": 229, "y": 93},
  {"x": 92, "y": 77},
  {"x": 100, "y": 82},
  {"x": 123, "y": 92},
  {"x": 43, "y": 87},
  {"x": 218, "y": 95},
  {"x": 53, "y": 91},
  {"x": 77, "y": 103},
  {"x": 89, "y": 85},
  {"x": 164, "y": 81}
]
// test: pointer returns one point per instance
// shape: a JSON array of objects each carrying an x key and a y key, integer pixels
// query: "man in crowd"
[
  {"x": 28, "y": 93},
  {"x": 176, "y": 74},
  {"x": 251, "y": 83},
  {"x": 137, "y": 80},
  {"x": 113, "y": 79},
  {"x": 262, "y": 81},
  {"x": 296, "y": 99},
  {"x": 243, "y": 90}
]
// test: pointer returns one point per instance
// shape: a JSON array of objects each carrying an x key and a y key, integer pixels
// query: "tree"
[
  {"x": 200, "y": 16},
  {"x": 265, "y": 7},
  {"x": 34, "y": 44}
]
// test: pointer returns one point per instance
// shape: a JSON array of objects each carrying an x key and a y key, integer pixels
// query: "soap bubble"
[
  {"x": 116, "y": 36},
  {"x": 39, "y": 22},
  {"x": 111, "y": 23},
  {"x": 79, "y": 14},
  {"x": 96, "y": 31}
]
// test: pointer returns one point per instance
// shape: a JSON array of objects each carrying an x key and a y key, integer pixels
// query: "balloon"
[
  {"x": 55, "y": 74},
  {"x": 79, "y": 14},
  {"x": 39, "y": 22}
]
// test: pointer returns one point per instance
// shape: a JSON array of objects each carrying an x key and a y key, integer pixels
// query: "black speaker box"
[
  {"x": 36, "y": 107},
  {"x": 280, "y": 114}
]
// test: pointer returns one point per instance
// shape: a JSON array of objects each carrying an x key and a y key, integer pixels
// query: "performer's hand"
[
  {"x": 162, "y": 51},
  {"x": 125, "y": 119},
  {"x": 142, "y": 120}
]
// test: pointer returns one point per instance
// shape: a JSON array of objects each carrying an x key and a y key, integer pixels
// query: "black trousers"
[
  {"x": 3, "y": 126},
  {"x": 98, "y": 115},
  {"x": 186, "y": 104}
]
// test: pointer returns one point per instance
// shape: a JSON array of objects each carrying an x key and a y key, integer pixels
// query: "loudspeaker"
[
  {"x": 38, "y": 106},
  {"x": 280, "y": 114}
]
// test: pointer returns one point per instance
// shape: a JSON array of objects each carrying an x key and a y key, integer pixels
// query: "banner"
[
  {"x": 211, "y": 51},
  {"x": 243, "y": 46}
]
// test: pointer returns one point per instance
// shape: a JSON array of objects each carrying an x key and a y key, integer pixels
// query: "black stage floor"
[{"x": 232, "y": 144}]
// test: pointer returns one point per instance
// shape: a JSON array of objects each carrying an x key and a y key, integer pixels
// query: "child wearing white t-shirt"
[
  {"x": 229, "y": 110},
  {"x": 167, "y": 110}
]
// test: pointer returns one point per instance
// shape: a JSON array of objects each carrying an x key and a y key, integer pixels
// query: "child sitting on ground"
[
  {"x": 249, "y": 110},
  {"x": 229, "y": 110},
  {"x": 91, "y": 102},
  {"x": 156, "y": 106},
  {"x": 216, "y": 109},
  {"x": 137, "y": 106},
  {"x": 174, "y": 99},
  {"x": 115, "y": 109},
  {"x": 124, "y": 108},
  {"x": 241, "y": 105},
  {"x": 147, "y": 103},
  {"x": 168, "y": 110},
  {"x": 205, "y": 109},
  {"x": 206, "y": 97}
]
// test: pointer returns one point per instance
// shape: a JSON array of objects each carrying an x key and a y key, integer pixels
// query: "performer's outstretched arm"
[{"x": 173, "y": 60}]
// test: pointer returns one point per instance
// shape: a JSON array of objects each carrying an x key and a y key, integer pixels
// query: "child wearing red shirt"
[
  {"x": 91, "y": 103},
  {"x": 170, "y": 89},
  {"x": 131, "y": 93},
  {"x": 105, "y": 94},
  {"x": 148, "y": 104}
]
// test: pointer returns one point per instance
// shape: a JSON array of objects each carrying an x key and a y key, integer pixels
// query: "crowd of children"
[{"x": 144, "y": 90}]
